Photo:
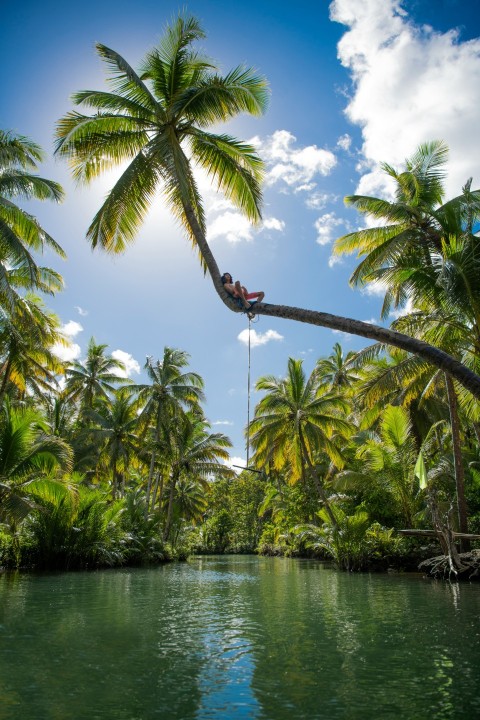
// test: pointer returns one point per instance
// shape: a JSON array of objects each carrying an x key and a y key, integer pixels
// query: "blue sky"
[{"x": 352, "y": 84}]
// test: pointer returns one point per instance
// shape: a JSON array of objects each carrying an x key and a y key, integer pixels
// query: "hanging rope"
[{"x": 248, "y": 393}]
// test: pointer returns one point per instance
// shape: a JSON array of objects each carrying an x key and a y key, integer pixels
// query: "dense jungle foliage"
[{"x": 96, "y": 470}]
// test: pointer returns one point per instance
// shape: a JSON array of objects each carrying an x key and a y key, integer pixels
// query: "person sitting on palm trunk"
[{"x": 240, "y": 291}]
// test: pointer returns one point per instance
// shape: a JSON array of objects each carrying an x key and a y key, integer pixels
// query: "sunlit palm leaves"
[
  {"x": 157, "y": 120},
  {"x": 27, "y": 335},
  {"x": 294, "y": 421},
  {"x": 28, "y": 453},
  {"x": 95, "y": 377},
  {"x": 20, "y": 233}
]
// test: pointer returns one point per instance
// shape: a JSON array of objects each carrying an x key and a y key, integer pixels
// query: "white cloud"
[
  {"x": 71, "y": 328},
  {"x": 66, "y": 353},
  {"x": 235, "y": 227},
  {"x": 131, "y": 365},
  {"x": 306, "y": 187},
  {"x": 231, "y": 225},
  {"x": 318, "y": 200},
  {"x": 257, "y": 339},
  {"x": 293, "y": 168},
  {"x": 70, "y": 351},
  {"x": 274, "y": 224},
  {"x": 222, "y": 422},
  {"x": 296, "y": 167},
  {"x": 411, "y": 85},
  {"x": 325, "y": 226},
  {"x": 81, "y": 311},
  {"x": 344, "y": 142}
]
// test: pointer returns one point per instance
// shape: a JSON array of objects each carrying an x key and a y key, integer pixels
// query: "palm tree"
[
  {"x": 27, "y": 335},
  {"x": 193, "y": 452},
  {"x": 149, "y": 120},
  {"x": 336, "y": 371},
  {"x": 427, "y": 253},
  {"x": 388, "y": 459},
  {"x": 20, "y": 233},
  {"x": 29, "y": 457},
  {"x": 296, "y": 422},
  {"x": 170, "y": 391},
  {"x": 95, "y": 377},
  {"x": 190, "y": 501},
  {"x": 115, "y": 423}
]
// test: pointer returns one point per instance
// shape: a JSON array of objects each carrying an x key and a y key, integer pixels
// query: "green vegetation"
[{"x": 95, "y": 470}]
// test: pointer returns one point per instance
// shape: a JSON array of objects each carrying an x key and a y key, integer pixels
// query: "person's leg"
[
  {"x": 257, "y": 295},
  {"x": 241, "y": 295}
]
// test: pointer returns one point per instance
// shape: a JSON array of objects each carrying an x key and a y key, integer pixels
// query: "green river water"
[{"x": 237, "y": 637}]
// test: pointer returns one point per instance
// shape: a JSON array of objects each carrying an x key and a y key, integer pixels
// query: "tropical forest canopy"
[{"x": 97, "y": 470}]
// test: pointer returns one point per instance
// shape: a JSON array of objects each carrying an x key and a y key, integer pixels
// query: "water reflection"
[{"x": 237, "y": 637}]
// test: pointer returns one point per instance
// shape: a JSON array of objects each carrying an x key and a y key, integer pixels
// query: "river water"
[{"x": 237, "y": 637}]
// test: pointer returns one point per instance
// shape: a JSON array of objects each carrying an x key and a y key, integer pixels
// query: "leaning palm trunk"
[
  {"x": 434, "y": 355},
  {"x": 148, "y": 119}
]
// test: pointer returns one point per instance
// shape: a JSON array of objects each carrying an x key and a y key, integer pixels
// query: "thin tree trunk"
[
  {"x": 321, "y": 492},
  {"x": 458, "y": 462},
  {"x": 155, "y": 490},
  {"x": 149, "y": 484},
  {"x": 434, "y": 355},
  {"x": 168, "y": 521}
]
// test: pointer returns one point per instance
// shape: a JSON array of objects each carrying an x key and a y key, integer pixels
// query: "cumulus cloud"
[
  {"x": 131, "y": 365},
  {"x": 294, "y": 166},
  {"x": 222, "y": 422},
  {"x": 234, "y": 227},
  {"x": 71, "y": 329},
  {"x": 274, "y": 224},
  {"x": 231, "y": 225},
  {"x": 257, "y": 339},
  {"x": 411, "y": 84},
  {"x": 69, "y": 350},
  {"x": 67, "y": 353},
  {"x": 325, "y": 226}
]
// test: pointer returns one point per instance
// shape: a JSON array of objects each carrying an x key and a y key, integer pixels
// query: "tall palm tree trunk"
[
  {"x": 318, "y": 486},
  {"x": 171, "y": 497},
  {"x": 458, "y": 461},
  {"x": 156, "y": 488},
  {"x": 149, "y": 484}
]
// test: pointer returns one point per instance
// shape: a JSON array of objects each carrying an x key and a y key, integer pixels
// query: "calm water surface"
[{"x": 237, "y": 637}]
